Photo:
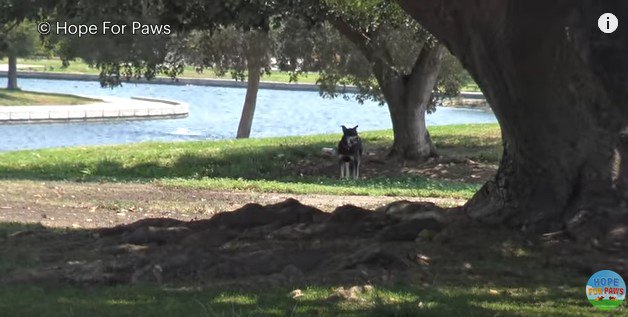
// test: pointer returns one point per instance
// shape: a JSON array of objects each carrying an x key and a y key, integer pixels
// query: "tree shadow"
[
  {"x": 153, "y": 301},
  {"x": 290, "y": 164},
  {"x": 484, "y": 290}
]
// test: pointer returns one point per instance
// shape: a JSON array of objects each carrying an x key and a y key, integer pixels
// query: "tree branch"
[
  {"x": 388, "y": 77},
  {"x": 361, "y": 40},
  {"x": 429, "y": 57},
  {"x": 7, "y": 27},
  {"x": 421, "y": 81}
]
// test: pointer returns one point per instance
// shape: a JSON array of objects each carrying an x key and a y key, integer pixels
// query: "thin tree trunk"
[
  {"x": 553, "y": 93},
  {"x": 411, "y": 138},
  {"x": 248, "y": 110},
  {"x": 12, "y": 76},
  {"x": 408, "y": 98}
]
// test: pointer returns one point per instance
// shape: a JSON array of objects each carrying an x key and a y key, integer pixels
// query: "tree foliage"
[
  {"x": 21, "y": 41},
  {"x": 229, "y": 50},
  {"x": 321, "y": 48},
  {"x": 123, "y": 57}
]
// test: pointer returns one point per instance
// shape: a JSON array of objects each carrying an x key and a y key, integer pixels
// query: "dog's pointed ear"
[
  {"x": 344, "y": 129},
  {"x": 355, "y": 127}
]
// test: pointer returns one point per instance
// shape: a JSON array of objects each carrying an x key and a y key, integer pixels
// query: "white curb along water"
[{"x": 111, "y": 108}]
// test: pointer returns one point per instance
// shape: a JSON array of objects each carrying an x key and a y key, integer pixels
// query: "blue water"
[{"x": 214, "y": 114}]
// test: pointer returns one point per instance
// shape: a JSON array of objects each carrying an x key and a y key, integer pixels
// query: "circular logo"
[
  {"x": 606, "y": 290},
  {"x": 608, "y": 23}
]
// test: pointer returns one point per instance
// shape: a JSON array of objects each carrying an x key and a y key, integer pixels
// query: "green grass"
[
  {"x": 471, "y": 87},
  {"x": 509, "y": 277},
  {"x": 406, "y": 186},
  {"x": 31, "y": 98},
  {"x": 270, "y": 164},
  {"x": 395, "y": 301}
]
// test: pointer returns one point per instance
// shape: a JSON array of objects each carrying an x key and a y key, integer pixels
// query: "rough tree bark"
[
  {"x": 558, "y": 88},
  {"x": 407, "y": 95},
  {"x": 12, "y": 75},
  {"x": 622, "y": 173},
  {"x": 408, "y": 98},
  {"x": 248, "y": 110}
]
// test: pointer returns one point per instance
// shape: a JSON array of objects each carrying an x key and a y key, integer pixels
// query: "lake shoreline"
[{"x": 183, "y": 81}]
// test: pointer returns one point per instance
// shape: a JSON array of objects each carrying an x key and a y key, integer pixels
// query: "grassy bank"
[
  {"x": 290, "y": 164},
  {"x": 32, "y": 98},
  {"x": 80, "y": 67}
]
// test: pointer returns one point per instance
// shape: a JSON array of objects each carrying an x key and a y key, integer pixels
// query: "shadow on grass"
[
  {"x": 7, "y": 96},
  {"x": 152, "y": 301},
  {"x": 264, "y": 162},
  {"x": 545, "y": 291},
  {"x": 292, "y": 164}
]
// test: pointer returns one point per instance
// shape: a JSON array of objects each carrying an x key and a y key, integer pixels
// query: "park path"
[{"x": 92, "y": 205}]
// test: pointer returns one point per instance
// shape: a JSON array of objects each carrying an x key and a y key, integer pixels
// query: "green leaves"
[
  {"x": 20, "y": 41},
  {"x": 229, "y": 49},
  {"x": 369, "y": 15}
]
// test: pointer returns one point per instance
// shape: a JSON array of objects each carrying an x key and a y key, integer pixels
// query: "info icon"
[
  {"x": 608, "y": 23},
  {"x": 606, "y": 290}
]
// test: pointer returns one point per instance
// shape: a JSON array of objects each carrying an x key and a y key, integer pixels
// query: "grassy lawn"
[
  {"x": 383, "y": 302},
  {"x": 471, "y": 87},
  {"x": 476, "y": 272},
  {"x": 31, "y": 98},
  {"x": 267, "y": 165}
]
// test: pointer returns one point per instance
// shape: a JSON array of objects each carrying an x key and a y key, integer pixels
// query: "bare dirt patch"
[
  {"x": 293, "y": 244},
  {"x": 93, "y": 205},
  {"x": 272, "y": 244},
  {"x": 142, "y": 233}
]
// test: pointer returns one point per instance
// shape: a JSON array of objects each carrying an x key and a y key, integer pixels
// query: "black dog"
[{"x": 349, "y": 152}]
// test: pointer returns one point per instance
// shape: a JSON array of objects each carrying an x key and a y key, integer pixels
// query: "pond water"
[{"x": 214, "y": 114}]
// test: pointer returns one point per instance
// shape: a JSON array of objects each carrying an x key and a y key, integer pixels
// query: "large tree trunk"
[
  {"x": 546, "y": 72},
  {"x": 12, "y": 76},
  {"x": 248, "y": 110},
  {"x": 622, "y": 173}
]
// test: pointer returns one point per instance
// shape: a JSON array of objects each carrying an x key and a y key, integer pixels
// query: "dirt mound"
[
  {"x": 289, "y": 243},
  {"x": 282, "y": 243}
]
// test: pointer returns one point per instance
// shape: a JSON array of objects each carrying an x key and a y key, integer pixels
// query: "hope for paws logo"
[{"x": 606, "y": 290}]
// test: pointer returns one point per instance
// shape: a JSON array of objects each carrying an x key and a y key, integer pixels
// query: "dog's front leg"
[
  {"x": 342, "y": 169},
  {"x": 353, "y": 169}
]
